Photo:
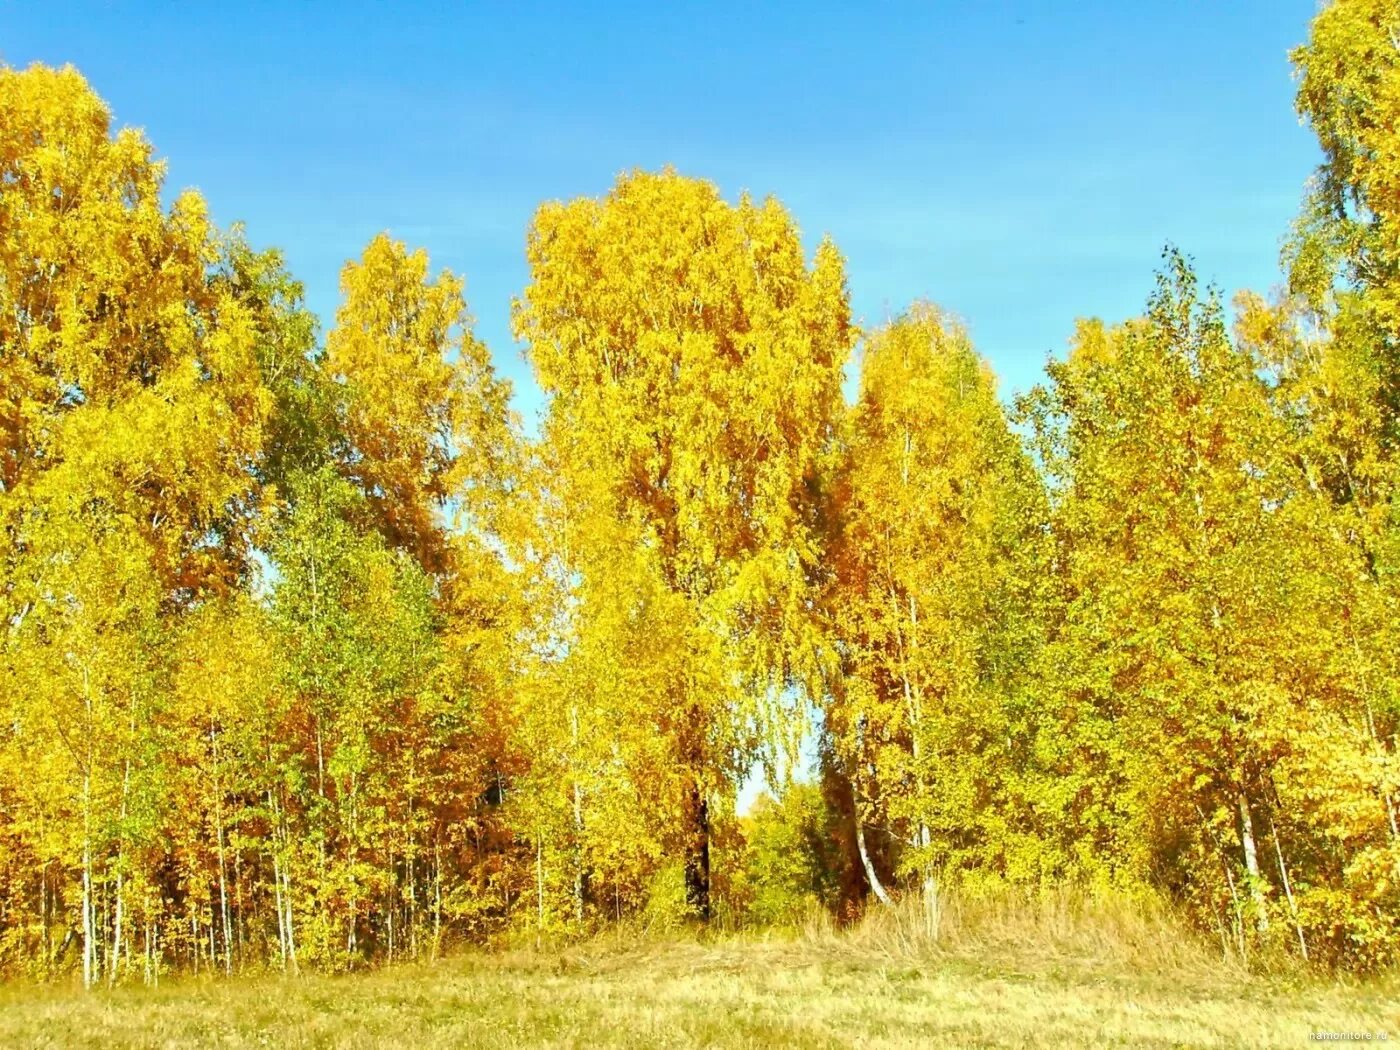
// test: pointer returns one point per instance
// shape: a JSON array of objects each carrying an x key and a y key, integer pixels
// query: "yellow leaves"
[
  {"x": 613, "y": 622},
  {"x": 1349, "y": 81},
  {"x": 423, "y": 414},
  {"x": 693, "y": 365},
  {"x": 136, "y": 383},
  {"x": 940, "y": 524},
  {"x": 693, "y": 362},
  {"x": 1349, "y": 92}
]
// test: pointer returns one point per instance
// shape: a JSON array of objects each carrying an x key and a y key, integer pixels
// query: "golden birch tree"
[
  {"x": 692, "y": 359},
  {"x": 942, "y": 528}
]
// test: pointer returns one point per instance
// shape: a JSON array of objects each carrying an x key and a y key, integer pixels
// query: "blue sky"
[{"x": 1022, "y": 163}]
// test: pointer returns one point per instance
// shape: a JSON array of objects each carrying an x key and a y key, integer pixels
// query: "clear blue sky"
[{"x": 1020, "y": 162}]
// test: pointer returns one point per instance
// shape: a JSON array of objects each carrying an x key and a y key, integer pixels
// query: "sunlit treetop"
[{"x": 131, "y": 377}]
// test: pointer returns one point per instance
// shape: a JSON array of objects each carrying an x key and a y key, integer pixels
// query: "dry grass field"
[{"x": 1061, "y": 977}]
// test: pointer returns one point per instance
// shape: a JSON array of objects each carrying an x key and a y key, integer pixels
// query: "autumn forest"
[{"x": 316, "y": 656}]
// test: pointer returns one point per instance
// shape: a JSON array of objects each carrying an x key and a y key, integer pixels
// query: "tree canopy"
[{"x": 314, "y": 655}]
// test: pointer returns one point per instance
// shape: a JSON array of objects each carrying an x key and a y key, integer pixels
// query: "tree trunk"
[
  {"x": 539, "y": 888},
  {"x": 437, "y": 896},
  {"x": 1288, "y": 890},
  {"x": 118, "y": 915},
  {"x": 411, "y": 869},
  {"x": 1386, "y": 800},
  {"x": 876, "y": 886},
  {"x": 580, "y": 875},
  {"x": 871, "y": 876},
  {"x": 1251, "y": 864},
  {"x": 277, "y": 906},
  {"x": 282, "y": 882},
  {"x": 223, "y": 905},
  {"x": 932, "y": 913},
  {"x": 89, "y": 933},
  {"x": 697, "y": 852},
  {"x": 89, "y": 924},
  {"x": 277, "y": 883},
  {"x": 116, "y": 926},
  {"x": 291, "y": 927},
  {"x": 390, "y": 906},
  {"x": 1229, "y": 880},
  {"x": 240, "y": 930},
  {"x": 46, "y": 909},
  {"x": 223, "y": 867}
]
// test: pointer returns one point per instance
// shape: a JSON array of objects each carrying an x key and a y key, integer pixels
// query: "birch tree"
[
  {"x": 934, "y": 602},
  {"x": 692, "y": 359}
]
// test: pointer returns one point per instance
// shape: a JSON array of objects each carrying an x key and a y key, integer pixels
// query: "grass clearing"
[{"x": 996, "y": 976}]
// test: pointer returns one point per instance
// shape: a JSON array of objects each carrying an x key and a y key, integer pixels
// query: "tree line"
[{"x": 312, "y": 655}]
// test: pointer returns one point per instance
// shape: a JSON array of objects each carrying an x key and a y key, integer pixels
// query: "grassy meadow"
[{"x": 1057, "y": 975}]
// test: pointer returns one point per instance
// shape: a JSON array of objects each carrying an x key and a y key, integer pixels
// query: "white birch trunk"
[
  {"x": 1251, "y": 864},
  {"x": 1288, "y": 890},
  {"x": 876, "y": 886}
]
